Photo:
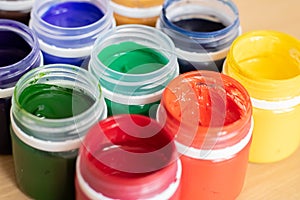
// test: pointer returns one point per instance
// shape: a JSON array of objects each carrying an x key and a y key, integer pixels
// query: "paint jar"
[
  {"x": 202, "y": 31},
  {"x": 128, "y": 157},
  {"x": 267, "y": 64},
  {"x": 68, "y": 29},
  {"x": 53, "y": 107},
  {"x": 133, "y": 63},
  {"x": 209, "y": 114},
  {"x": 18, "y": 10},
  {"x": 143, "y": 12},
  {"x": 20, "y": 52}
]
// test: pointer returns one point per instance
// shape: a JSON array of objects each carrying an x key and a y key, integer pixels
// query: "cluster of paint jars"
[{"x": 111, "y": 99}]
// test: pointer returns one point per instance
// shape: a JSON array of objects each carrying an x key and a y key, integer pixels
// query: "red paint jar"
[
  {"x": 128, "y": 157},
  {"x": 210, "y": 116}
]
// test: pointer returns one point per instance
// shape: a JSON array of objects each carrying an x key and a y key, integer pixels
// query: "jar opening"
[
  {"x": 126, "y": 152},
  {"x": 203, "y": 107}
]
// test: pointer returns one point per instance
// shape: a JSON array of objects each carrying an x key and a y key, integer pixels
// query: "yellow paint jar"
[
  {"x": 267, "y": 63},
  {"x": 143, "y": 12}
]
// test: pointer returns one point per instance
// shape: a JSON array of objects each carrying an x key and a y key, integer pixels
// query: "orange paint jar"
[
  {"x": 210, "y": 115},
  {"x": 143, "y": 12}
]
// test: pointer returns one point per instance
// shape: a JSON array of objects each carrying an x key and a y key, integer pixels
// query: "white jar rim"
[
  {"x": 44, "y": 145},
  {"x": 16, "y": 5},
  {"x": 136, "y": 12},
  {"x": 92, "y": 194},
  {"x": 215, "y": 154}
]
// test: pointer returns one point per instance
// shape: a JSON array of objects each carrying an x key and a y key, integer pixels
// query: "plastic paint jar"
[
  {"x": 143, "y": 12},
  {"x": 128, "y": 157},
  {"x": 53, "y": 107},
  {"x": 20, "y": 53},
  {"x": 133, "y": 63},
  {"x": 68, "y": 29},
  {"x": 202, "y": 31},
  {"x": 267, "y": 63},
  {"x": 210, "y": 116},
  {"x": 18, "y": 10}
]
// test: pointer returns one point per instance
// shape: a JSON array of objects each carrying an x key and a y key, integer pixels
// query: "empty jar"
[
  {"x": 128, "y": 157},
  {"x": 143, "y": 12},
  {"x": 20, "y": 52},
  {"x": 53, "y": 107},
  {"x": 68, "y": 29},
  {"x": 267, "y": 64},
  {"x": 210, "y": 116},
  {"x": 18, "y": 10},
  {"x": 202, "y": 31},
  {"x": 133, "y": 64}
]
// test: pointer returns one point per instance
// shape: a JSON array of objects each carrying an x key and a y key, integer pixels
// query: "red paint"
[
  {"x": 209, "y": 111},
  {"x": 128, "y": 157}
]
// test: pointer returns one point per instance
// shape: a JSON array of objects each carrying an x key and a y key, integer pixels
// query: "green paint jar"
[
  {"x": 133, "y": 64},
  {"x": 53, "y": 107}
]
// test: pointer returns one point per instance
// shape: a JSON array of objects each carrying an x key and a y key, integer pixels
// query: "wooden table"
[{"x": 276, "y": 181}]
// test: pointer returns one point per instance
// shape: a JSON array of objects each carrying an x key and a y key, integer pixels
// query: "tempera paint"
[
  {"x": 72, "y": 14},
  {"x": 199, "y": 25},
  {"x": 132, "y": 58},
  {"x": 53, "y": 107},
  {"x": 202, "y": 31},
  {"x": 128, "y": 157},
  {"x": 136, "y": 11},
  {"x": 67, "y": 29},
  {"x": 210, "y": 117},
  {"x": 19, "y": 53},
  {"x": 267, "y": 64},
  {"x": 54, "y": 102},
  {"x": 17, "y": 10},
  {"x": 133, "y": 63}
]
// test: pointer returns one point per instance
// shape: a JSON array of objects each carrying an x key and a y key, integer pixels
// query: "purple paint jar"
[
  {"x": 68, "y": 29},
  {"x": 19, "y": 53}
]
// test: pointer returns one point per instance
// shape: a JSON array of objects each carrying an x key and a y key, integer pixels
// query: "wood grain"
[{"x": 276, "y": 181}]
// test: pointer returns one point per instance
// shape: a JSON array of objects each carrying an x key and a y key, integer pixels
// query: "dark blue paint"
[
  {"x": 72, "y": 14},
  {"x": 199, "y": 25},
  {"x": 13, "y": 48},
  {"x": 51, "y": 59}
]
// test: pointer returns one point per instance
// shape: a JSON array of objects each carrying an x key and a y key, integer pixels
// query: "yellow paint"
[{"x": 267, "y": 63}]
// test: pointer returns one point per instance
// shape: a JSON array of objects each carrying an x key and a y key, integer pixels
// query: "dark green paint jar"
[{"x": 52, "y": 109}]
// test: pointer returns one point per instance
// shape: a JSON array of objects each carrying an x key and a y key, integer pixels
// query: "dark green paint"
[{"x": 54, "y": 102}]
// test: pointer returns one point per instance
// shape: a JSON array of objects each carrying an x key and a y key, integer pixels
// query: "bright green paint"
[
  {"x": 54, "y": 102},
  {"x": 132, "y": 58}
]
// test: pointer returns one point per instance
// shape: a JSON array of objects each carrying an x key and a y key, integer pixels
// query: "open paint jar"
[
  {"x": 267, "y": 63},
  {"x": 133, "y": 64},
  {"x": 53, "y": 107},
  {"x": 68, "y": 29},
  {"x": 202, "y": 31},
  {"x": 143, "y": 12},
  {"x": 20, "y": 52},
  {"x": 210, "y": 116},
  {"x": 128, "y": 157},
  {"x": 18, "y": 10}
]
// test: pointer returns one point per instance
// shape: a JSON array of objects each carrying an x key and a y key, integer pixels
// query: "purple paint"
[
  {"x": 19, "y": 53},
  {"x": 72, "y": 14}
]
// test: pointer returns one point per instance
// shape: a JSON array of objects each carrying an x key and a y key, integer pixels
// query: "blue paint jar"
[
  {"x": 202, "y": 31},
  {"x": 68, "y": 29},
  {"x": 20, "y": 52}
]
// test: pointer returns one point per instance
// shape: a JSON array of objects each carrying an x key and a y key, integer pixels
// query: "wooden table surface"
[{"x": 276, "y": 181}]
